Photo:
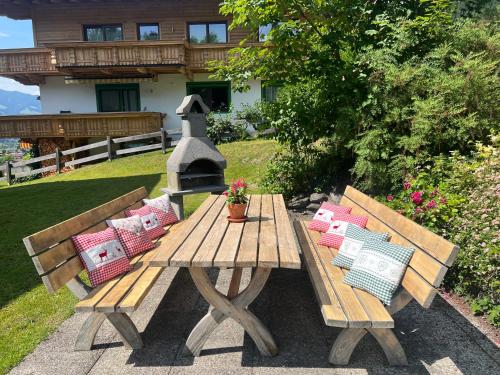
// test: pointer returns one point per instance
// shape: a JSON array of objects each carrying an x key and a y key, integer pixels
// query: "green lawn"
[{"x": 28, "y": 314}]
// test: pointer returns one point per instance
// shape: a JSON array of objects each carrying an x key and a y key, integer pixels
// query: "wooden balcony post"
[
  {"x": 163, "y": 140},
  {"x": 8, "y": 173},
  {"x": 110, "y": 148},
  {"x": 58, "y": 160}
]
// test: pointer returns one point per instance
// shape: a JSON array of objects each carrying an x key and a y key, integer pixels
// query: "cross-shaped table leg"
[{"x": 230, "y": 306}]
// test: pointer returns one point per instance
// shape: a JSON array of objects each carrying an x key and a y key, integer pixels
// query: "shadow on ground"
[{"x": 437, "y": 340}]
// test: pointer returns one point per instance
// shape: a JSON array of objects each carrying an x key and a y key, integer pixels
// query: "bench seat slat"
[
  {"x": 428, "y": 267},
  {"x": 101, "y": 292},
  {"x": 88, "y": 304},
  {"x": 140, "y": 289},
  {"x": 121, "y": 288},
  {"x": 379, "y": 316},
  {"x": 353, "y": 309},
  {"x": 332, "y": 311}
]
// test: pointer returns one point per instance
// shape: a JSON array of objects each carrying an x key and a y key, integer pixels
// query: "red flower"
[
  {"x": 406, "y": 185},
  {"x": 416, "y": 197},
  {"x": 431, "y": 204},
  {"x": 225, "y": 193},
  {"x": 390, "y": 198},
  {"x": 240, "y": 183}
]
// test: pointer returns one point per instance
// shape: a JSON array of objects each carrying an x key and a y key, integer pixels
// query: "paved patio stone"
[{"x": 437, "y": 341}]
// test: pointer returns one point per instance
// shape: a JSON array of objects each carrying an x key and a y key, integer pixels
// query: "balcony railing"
[
  {"x": 26, "y": 60},
  {"x": 81, "y": 125},
  {"x": 108, "y": 58},
  {"x": 122, "y": 53}
]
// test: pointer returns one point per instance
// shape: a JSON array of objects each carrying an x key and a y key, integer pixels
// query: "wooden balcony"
[
  {"x": 109, "y": 59},
  {"x": 125, "y": 56},
  {"x": 81, "y": 125},
  {"x": 27, "y": 65}
]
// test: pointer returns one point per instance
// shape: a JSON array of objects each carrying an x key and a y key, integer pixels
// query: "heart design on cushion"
[{"x": 382, "y": 266}]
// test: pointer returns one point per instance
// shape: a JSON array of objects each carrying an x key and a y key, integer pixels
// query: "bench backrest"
[
  {"x": 52, "y": 250},
  {"x": 433, "y": 254}
]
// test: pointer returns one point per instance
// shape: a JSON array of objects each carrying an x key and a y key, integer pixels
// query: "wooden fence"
[{"x": 9, "y": 172}]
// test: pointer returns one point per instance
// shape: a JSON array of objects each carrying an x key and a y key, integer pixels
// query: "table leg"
[{"x": 222, "y": 307}]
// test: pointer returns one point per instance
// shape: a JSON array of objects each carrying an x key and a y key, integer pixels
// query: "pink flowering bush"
[
  {"x": 426, "y": 201},
  {"x": 459, "y": 198},
  {"x": 237, "y": 192}
]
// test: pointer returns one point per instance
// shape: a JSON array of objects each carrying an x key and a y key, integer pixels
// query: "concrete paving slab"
[{"x": 437, "y": 340}]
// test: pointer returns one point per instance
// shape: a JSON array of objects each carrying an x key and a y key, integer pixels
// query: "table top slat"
[
  {"x": 287, "y": 245},
  {"x": 228, "y": 248},
  {"x": 268, "y": 243},
  {"x": 247, "y": 255},
  {"x": 168, "y": 248},
  {"x": 206, "y": 253},
  {"x": 187, "y": 251}
]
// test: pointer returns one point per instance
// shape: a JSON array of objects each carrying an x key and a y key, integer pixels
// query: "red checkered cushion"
[
  {"x": 132, "y": 235},
  {"x": 102, "y": 255},
  {"x": 325, "y": 215},
  {"x": 163, "y": 209},
  {"x": 149, "y": 220},
  {"x": 334, "y": 236}
]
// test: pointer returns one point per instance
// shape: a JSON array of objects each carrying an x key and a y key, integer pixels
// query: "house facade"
[{"x": 99, "y": 63}]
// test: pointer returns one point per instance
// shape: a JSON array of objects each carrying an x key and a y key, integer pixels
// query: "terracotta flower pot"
[{"x": 237, "y": 211}]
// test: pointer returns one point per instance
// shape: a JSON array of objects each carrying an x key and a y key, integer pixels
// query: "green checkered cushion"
[
  {"x": 378, "y": 269},
  {"x": 353, "y": 241}
]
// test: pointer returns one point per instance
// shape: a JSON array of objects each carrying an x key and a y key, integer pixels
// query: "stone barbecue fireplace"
[{"x": 195, "y": 165}]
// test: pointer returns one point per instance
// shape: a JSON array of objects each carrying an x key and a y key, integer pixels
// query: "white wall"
[
  {"x": 162, "y": 96},
  {"x": 56, "y": 96}
]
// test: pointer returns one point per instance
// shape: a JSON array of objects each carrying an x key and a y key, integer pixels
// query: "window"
[
  {"x": 264, "y": 31},
  {"x": 269, "y": 92},
  {"x": 215, "y": 32},
  {"x": 216, "y": 95},
  {"x": 148, "y": 31},
  {"x": 118, "y": 98},
  {"x": 99, "y": 33}
]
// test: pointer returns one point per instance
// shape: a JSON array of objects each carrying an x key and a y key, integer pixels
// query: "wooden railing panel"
[
  {"x": 80, "y": 125},
  {"x": 26, "y": 60}
]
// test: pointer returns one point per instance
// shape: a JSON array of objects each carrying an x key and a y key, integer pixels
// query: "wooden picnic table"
[{"x": 207, "y": 239}]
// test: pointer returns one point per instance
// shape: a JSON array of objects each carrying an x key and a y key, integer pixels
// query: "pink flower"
[
  {"x": 443, "y": 201},
  {"x": 418, "y": 210},
  {"x": 406, "y": 185},
  {"x": 225, "y": 193},
  {"x": 431, "y": 204},
  {"x": 416, "y": 197},
  {"x": 390, "y": 198}
]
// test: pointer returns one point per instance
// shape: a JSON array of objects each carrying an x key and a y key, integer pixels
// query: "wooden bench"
[
  {"x": 359, "y": 312},
  {"x": 58, "y": 264}
]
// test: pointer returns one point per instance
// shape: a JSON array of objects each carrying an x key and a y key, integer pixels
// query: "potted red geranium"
[{"x": 237, "y": 199}]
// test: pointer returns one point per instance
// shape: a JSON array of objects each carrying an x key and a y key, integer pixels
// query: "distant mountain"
[{"x": 18, "y": 103}]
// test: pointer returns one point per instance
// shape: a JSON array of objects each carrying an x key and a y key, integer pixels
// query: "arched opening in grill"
[{"x": 201, "y": 172}]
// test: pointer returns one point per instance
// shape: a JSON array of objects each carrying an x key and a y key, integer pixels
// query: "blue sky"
[{"x": 16, "y": 34}]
